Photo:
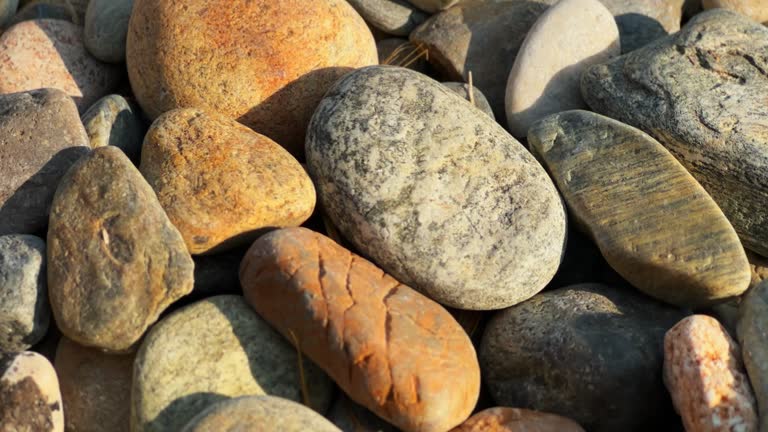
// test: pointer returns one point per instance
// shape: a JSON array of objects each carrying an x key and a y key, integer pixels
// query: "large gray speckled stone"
[
  {"x": 702, "y": 93},
  {"x": 106, "y": 29},
  {"x": 481, "y": 102},
  {"x": 434, "y": 191},
  {"x": 752, "y": 331},
  {"x": 113, "y": 121},
  {"x": 395, "y": 17}
]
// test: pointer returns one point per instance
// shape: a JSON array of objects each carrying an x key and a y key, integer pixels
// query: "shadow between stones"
[{"x": 193, "y": 403}]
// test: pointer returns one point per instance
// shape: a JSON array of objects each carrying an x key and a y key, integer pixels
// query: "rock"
[
  {"x": 24, "y": 310},
  {"x": 209, "y": 351},
  {"x": 75, "y": 8},
  {"x": 266, "y": 64},
  {"x": 389, "y": 348},
  {"x": 113, "y": 121},
  {"x": 130, "y": 261},
  {"x": 701, "y": 93},
  {"x": 95, "y": 387},
  {"x": 753, "y": 9},
  {"x": 7, "y": 10},
  {"x": 643, "y": 21},
  {"x": 395, "y": 17},
  {"x": 759, "y": 266},
  {"x": 351, "y": 417},
  {"x": 587, "y": 352},
  {"x": 400, "y": 52},
  {"x": 704, "y": 374},
  {"x": 220, "y": 183},
  {"x": 257, "y": 414},
  {"x": 653, "y": 222},
  {"x": 55, "y": 51},
  {"x": 752, "y": 330},
  {"x": 106, "y": 28},
  {"x": 29, "y": 394},
  {"x": 34, "y": 11},
  {"x": 480, "y": 101},
  {"x": 433, "y": 6},
  {"x": 564, "y": 41},
  {"x": 517, "y": 420},
  {"x": 40, "y": 138},
  {"x": 444, "y": 219}
]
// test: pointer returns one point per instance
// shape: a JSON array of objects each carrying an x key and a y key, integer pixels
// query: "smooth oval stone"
[
  {"x": 753, "y": 9},
  {"x": 95, "y": 388},
  {"x": 40, "y": 138},
  {"x": 264, "y": 63},
  {"x": 113, "y": 121},
  {"x": 389, "y": 348},
  {"x": 643, "y": 21},
  {"x": 30, "y": 399},
  {"x": 752, "y": 330},
  {"x": 395, "y": 17},
  {"x": 258, "y": 414},
  {"x": 34, "y": 11},
  {"x": 705, "y": 376},
  {"x": 7, "y": 10},
  {"x": 474, "y": 222},
  {"x": 351, "y": 417},
  {"x": 213, "y": 350},
  {"x": 701, "y": 92},
  {"x": 480, "y": 101},
  {"x": 564, "y": 41},
  {"x": 54, "y": 50},
  {"x": 433, "y": 6},
  {"x": 654, "y": 224},
  {"x": 106, "y": 28},
  {"x": 115, "y": 262},
  {"x": 587, "y": 352},
  {"x": 24, "y": 310},
  {"x": 220, "y": 183},
  {"x": 517, "y": 420}
]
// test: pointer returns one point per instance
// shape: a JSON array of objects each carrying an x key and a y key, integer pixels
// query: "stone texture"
[
  {"x": 433, "y": 6},
  {"x": 40, "y": 138},
  {"x": 95, "y": 388},
  {"x": 113, "y": 121},
  {"x": 752, "y": 330},
  {"x": 34, "y": 11},
  {"x": 351, "y": 417},
  {"x": 643, "y": 21},
  {"x": 587, "y": 352},
  {"x": 115, "y": 262},
  {"x": 75, "y": 8},
  {"x": 654, "y": 224},
  {"x": 54, "y": 50},
  {"x": 753, "y": 9},
  {"x": 517, "y": 420},
  {"x": 389, "y": 348},
  {"x": 7, "y": 10},
  {"x": 220, "y": 183},
  {"x": 265, "y": 63},
  {"x": 701, "y": 93},
  {"x": 569, "y": 37},
  {"x": 446, "y": 219},
  {"x": 257, "y": 414},
  {"x": 401, "y": 52},
  {"x": 24, "y": 309},
  {"x": 480, "y": 101},
  {"x": 30, "y": 400},
  {"x": 704, "y": 374},
  {"x": 106, "y": 28},
  {"x": 395, "y": 17},
  {"x": 209, "y": 351}
]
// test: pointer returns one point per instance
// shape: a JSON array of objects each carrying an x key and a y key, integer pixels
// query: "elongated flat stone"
[{"x": 653, "y": 222}]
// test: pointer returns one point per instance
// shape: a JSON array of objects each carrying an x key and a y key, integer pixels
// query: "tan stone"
[
  {"x": 517, "y": 420},
  {"x": 755, "y": 9},
  {"x": 30, "y": 400}
]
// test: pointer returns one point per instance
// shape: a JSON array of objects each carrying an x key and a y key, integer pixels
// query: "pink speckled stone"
[
  {"x": 50, "y": 53},
  {"x": 704, "y": 373}
]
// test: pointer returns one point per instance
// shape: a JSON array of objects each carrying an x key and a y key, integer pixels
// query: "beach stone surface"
[
  {"x": 30, "y": 399},
  {"x": 113, "y": 121},
  {"x": 480, "y": 101},
  {"x": 643, "y": 21},
  {"x": 753, "y": 9},
  {"x": 752, "y": 331},
  {"x": 106, "y": 28},
  {"x": 395, "y": 17},
  {"x": 516, "y": 420}
]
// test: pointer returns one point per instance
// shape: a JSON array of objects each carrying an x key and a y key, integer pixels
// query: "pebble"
[
  {"x": 106, "y": 28},
  {"x": 395, "y": 17},
  {"x": 654, "y": 224},
  {"x": 212, "y": 350},
  {"x": 389, "y": 348},
  {"x": 753, "y": 9},
  {"x": 480, "y": 101},
  {"x": 130, "y": 262},
  {"x": 588, "y": 352},
  {"x": 113, "y": 121},
  {"x": 752, "y": 331},
  {"x": 517, "y": 420},
  {"x": 264, "y": 63},
  {"x": 695, "y": 91},
  {"x": 351, "y": 417},
  {"x": 643, "y": 21},
  {"x": 705, "y": 376},
  {"x": 24, "y": 310},
  {"x": 75, "y": 8},
  {"x": 445, "y": 219},
  {"x": 7, "y": 10},
  {"x": 34, "y": 11},
  {"x": 564, "y": 41},
  {"x": 30, "y": 399},
  {"x": 433, "y": 6}
]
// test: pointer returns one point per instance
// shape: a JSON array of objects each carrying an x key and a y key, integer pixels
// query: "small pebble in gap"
[
  {"x": 752, "y": 331},
  {"x": 502, "y": 419},
  {"x": 106, "y": 29},
  {"x": 30, "y": 400},
  {"x": 113, "y": 121}
]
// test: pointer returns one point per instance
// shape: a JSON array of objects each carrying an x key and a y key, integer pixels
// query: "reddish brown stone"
[
  {"x": 517, "y": 420},
  {"x": 30, "y": 400}
]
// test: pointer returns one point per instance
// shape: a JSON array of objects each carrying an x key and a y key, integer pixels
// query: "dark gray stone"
[
  {"x": 462, "y": 89},
  {"x": 396, "y": 17},
  {"x": 113, "y": 121},
  {"x": 34, "y": 11},
  {"x": 106, "y": 29},
  {"x": 752, "y": 331},
  {"x": 7, "y": 10},
  {"x": 643, "y": 21}
]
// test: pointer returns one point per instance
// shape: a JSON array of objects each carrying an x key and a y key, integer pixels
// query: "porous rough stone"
[
  {"x": 351, "y": 417},
  {"x": 433, "y": 6},
  {"x": 587, "y": 352},
  {"x": 389, "y": 348},
  {"x": 480, "y": 101},
  {"x": 24, "y": 310},
  {"x": 95, "y": 388},
  {"x": 654, "y": 224},
  {"x": 30, "y": 400},
  {"x": 753, "y": 9},
  {"x": 54, "y": 50},
  {"x": 564, "y": 41},
  {"x": 705, "y": 376},
  {"x": 448, "y": 219},
  {"x": 220, "y": 183},
  {"x": 752, "y": 331},
  {"x": 212, "y": 350},
  {"x": 264, "y": 63},
  {"x": 395, "y": 17},
  {"x": 517, "y": 420},
  {"x": 701, "y": 93},
  {"x": 115, "y": 262},
  {"x": 7, "y": 10},
  {"x": 40, "y": 138},
  {"x": 106, "y": 28},
  {"x": 643, "y": 21},
  {"x": 113, "y": 121}
]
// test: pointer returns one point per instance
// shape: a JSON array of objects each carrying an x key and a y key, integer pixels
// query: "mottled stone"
[
  {"x": 587, "y": 352},
  {"x": 643, "y": 21},
  {"x": 433, "y": 6},
  {"x": 753, "y": 9},
  {"x": 446, "y": 219},
  {"x": 24, "y": 310},
  {"x": 401, "y": 52},
  {"x": 113, "y": 121},
  {"x": 258, "y": 414},
  {"x": 34, "y": 11},
  {"x": 95, "y": 388},
  {"x": 7, "y": 10},
  {"x": 395, "y": 17},
  {"x": 517, "y": 420},
  {"x": 212, "y": 350},
  {"x": 115, "y": 262},
  {"x": 264, "y": 63},
  {"x": 654, "y": 224},
  {"x": 752, "y": 331},
  {"x": 389, "y": 348},
  {"x": 569, "y": 37},
  {"x": 479, "y": 99},
  {"x": 106, "y": 28},
  {"x": 40, "y": 138},
  {"x": 351, "y": 417},
  {"x": 30, "y": 400},
  {"x": 701, "y": 93},
  {"x": 705, "y": 376}
]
